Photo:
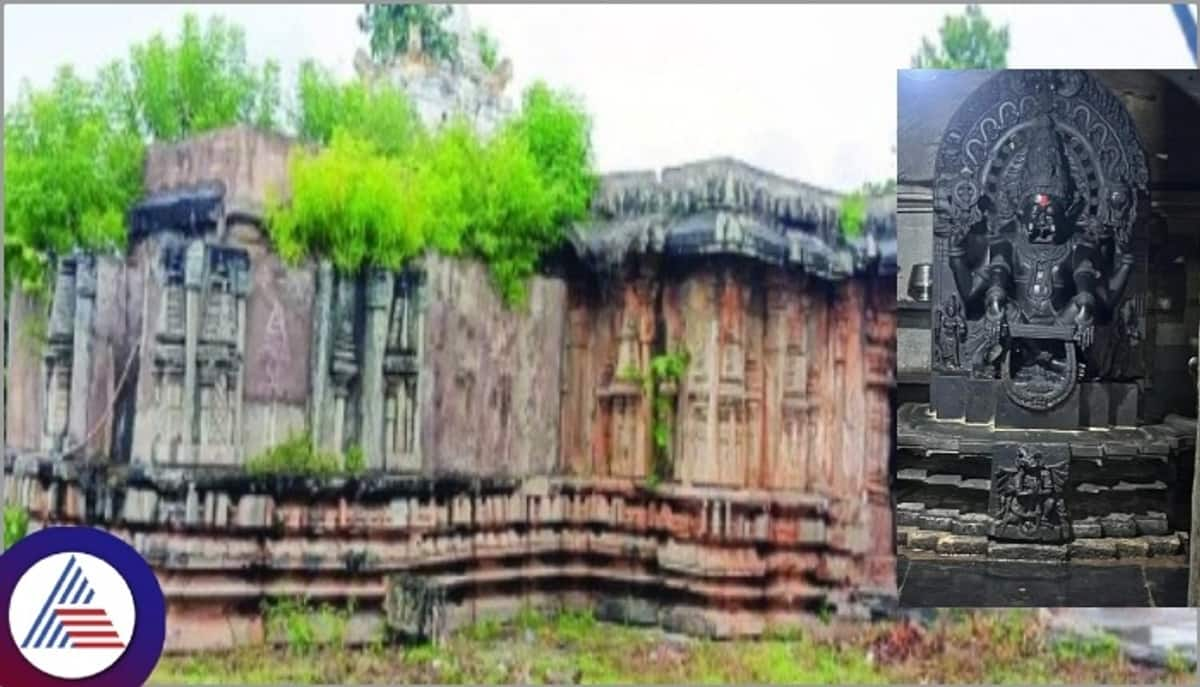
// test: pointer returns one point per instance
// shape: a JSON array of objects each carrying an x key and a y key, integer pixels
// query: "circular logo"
[{"x": 82, "y": 608}]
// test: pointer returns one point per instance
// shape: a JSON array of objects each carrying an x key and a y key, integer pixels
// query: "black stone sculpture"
[{"x": 1040, "y": 186}]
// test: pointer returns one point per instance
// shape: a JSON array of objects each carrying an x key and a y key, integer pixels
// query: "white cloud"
[{"x": 808, "y": 91}]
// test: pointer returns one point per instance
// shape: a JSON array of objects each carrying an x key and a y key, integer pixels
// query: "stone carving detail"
[
  {"x": 949, "y": 333},
  {"x": 400, "y": 372},
  {"x": 343, "y": 364},
  {"x": 59, "y": 357},
  {"x": 416, "y": 607},
  {"x": 1028, "y": 501},
  {"x": 168, "y": 360},
  {"x": 622, "y": 398},
  {"x": 220, "y": 354},
  {"x": 199, "y": 352},
  {"x": 1038, "y": 187}
]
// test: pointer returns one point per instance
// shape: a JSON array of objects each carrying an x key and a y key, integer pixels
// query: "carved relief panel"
[
  {"x": 623, "y": 407},
  {"x": 198, "y": 352},
  {"x": 400, "y": 373},
  {"x": 59, "y": 357},
  {"x": 722, "y": 404}
]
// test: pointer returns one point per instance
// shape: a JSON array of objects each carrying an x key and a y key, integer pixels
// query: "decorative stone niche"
[{"x": 198, "y": 354}]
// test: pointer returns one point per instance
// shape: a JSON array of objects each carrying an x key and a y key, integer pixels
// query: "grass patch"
[
  {"x": 1009, "y": 647},
  {"x": 16, "y": 525},
  {"x": 297, "y": 457}
]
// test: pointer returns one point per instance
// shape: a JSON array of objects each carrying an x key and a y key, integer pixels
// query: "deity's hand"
[
  {"x": 1085, "y": 329},
  {"x": 994, "y": 318}
]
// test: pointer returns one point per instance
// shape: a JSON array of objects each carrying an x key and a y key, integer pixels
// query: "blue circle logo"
[{"x": 81, "y": 608}]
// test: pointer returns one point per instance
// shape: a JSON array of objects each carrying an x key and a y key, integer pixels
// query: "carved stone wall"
[{"x": 510, "y": 453}]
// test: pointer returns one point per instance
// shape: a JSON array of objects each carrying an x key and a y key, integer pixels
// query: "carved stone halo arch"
[{"x": 987, "y": 133}]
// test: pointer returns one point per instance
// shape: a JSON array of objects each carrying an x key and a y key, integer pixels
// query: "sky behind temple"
[{"x": 807, "y": 91}]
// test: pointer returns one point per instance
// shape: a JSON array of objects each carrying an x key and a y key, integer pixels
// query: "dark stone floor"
[{"x": 930, "y": 582}]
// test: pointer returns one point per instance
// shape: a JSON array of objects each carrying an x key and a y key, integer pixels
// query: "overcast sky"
[{"x": 807, "y": 91}]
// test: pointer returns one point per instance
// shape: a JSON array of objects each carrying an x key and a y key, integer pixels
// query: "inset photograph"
[{"x": 1049, "y": 249}]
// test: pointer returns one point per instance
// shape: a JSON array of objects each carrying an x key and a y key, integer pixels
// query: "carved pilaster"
[
  {"x": 322, "y": 334},
  {"x": 220, "y": 353},
  {"x": 60, "y": 348},
  {"x": 344, "y": 365},
  {"x": 193, "y": 282},
  {"x": 379, "y": 290},
  {"x": 401, "y": 448},
  {"x": 81, "y": 359}
]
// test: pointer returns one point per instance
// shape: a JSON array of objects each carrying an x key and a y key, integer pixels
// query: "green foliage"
[
  {"x": 1090, "y": 647},
  {"x": 297, "y": 457},
  {"x": 387, "y": 26},
  {"x": 852, "y": 214},
  {"x": 489, "y": 49},
  {"x": 16, "y": 525},
  {"x": 966, "y": 41},
  {"x": 201, "y": 81},
  {"x": 70, "y": 173},
  {"x": 355, "y": 460},
  {"x": 665, "y": 369},
  {"x": 305, "y": 626},
  {"x": 384, "y": 190}
]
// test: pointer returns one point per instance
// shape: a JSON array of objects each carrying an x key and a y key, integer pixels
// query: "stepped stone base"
[{"x": 425, "y": 556}]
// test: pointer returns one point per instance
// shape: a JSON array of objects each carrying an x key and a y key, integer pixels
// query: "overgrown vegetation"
[
  {"x": 304, "y": 626},
  {"x": 387, "y": 28},
  {"x": 666, "y": 370},
  {"x": 489, "y": 49},
  {"x": 201, "y": 81},
  {"x": 852, "y": 214},
  {"x": 71, "y": 170},
  {"x": 16, "y": 525},
  {"x": 296, "y": 456},
  {"x": 973, "y": 647},
  {"x": 966, "y": 41},
  {"x": 385, "y": 190},
  {"x": 73, "y": 152}
]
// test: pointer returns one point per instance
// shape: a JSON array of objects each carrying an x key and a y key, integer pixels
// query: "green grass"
[
  {"x": 574, "y": 647},
  {"x": 297, "y": 457},
  {"x": 16, "y": 525}
]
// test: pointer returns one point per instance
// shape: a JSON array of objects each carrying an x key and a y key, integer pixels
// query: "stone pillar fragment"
[
  {"x": 193, "y": 281},
  {"x": 378, "y": 299},
  {"x": 82, "y": 345},
  {"x": 60, "y": 347}
]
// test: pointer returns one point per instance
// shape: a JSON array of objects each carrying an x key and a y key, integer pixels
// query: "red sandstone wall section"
[
  {"x": 25, "y": 411},
  {"x": 251, "y": 164},
  {"x": 490, "y": 376}
]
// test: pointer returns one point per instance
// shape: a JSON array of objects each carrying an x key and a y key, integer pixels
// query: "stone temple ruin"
[
  {"x": 1050, "y": 413},
  {"x": 510, "y": 454}
]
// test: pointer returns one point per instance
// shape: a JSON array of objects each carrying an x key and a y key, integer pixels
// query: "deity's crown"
[{"x": 1046, "y": 175}]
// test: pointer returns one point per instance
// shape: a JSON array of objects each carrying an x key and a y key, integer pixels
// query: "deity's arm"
[
  {"x": 1120, "y": 277},
  {"x": 991, "y": 279}
]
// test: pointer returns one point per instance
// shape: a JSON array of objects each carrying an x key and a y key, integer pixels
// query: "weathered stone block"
[
  {"x": 960, "y": 544},
  {"x": 1093, "y": 548},
  {"x": 1132, "y": 548},
  {"x": 923, "y": 540},
  {"x": 973, "y": 524},
  {"x": 1168, "y": 545},
  {"x": 1023, "y": 551},
  {"x": 1088, "y": 528},
  {"x": 909, "y": 514},
  {"x": 1152, "y": 523},
  {"x": 1119, "y": 525}
]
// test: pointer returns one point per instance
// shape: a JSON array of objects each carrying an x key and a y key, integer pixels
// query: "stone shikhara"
[{"x": 509, "y": 454}]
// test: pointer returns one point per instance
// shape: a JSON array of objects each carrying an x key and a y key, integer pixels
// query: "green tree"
[
  {"x": 71, "y": 171},
  {"x": 201, "y": 81},
  {"x": 966, "y": 41},
  {"x": 387, "y": 26},
  {"x": 384, "y": 190}
]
